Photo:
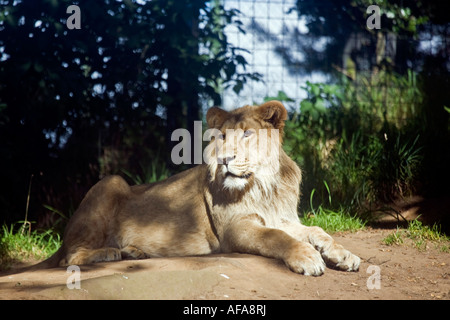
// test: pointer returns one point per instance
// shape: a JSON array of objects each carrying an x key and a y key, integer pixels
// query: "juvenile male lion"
[{"x": 243, "y": 200}]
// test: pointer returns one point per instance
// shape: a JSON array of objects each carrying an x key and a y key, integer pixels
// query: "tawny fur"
[{"x": 240, "y": 201}]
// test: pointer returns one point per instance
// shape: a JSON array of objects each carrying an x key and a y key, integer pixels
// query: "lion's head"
[{"x": 245, "y": 147}]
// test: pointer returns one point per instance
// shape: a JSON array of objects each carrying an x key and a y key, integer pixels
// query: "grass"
[
  {"x": 420, "y": 235},
  {"x": 394, "y": 238},
  {"x": 155, "y": 171},
  {"x": 20, "y": 244},
  {"x": 331, "y": 220}
]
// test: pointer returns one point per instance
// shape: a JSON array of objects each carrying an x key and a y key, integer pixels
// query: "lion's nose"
[{"x": 226, "y": 160}]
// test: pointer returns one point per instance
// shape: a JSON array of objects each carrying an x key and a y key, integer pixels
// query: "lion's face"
[{"x": 245, "y": 144}]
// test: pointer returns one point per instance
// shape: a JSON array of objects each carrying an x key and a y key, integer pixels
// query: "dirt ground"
[{"x": 386, "y": 272}]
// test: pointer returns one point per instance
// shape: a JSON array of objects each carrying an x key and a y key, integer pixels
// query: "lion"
[{"x": 243, "y": 199}]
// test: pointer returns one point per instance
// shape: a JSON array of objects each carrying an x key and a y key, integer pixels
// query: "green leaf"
[
  {"x": 282, "y": 96},
  {"x": 315, "y": 114},
  {"x": 320, "y": 105},
  {"x": 315, "y": 89},
  {"x": 46, "y": 206},
  {"x": 306, "y": 106}
]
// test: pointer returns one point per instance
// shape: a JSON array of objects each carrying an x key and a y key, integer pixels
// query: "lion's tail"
[{"x": 51, "y": 262}]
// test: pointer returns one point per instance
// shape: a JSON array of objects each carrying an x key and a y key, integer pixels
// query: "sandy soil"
[{"x": 404, "y": 273}]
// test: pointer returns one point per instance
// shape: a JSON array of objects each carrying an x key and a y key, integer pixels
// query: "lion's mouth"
[{"x": 243, "y": 176}]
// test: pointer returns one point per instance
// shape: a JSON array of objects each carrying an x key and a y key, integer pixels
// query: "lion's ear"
[
  {"x": 273, "y": 112},
  {"x": 215, "y": 117}
]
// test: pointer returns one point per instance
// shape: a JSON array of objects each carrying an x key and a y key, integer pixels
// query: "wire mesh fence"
[
  {"x": 267, "y": 24},
  {"x": 276, "y": 39}
]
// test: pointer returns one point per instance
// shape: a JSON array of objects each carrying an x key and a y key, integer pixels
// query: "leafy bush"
[
  {"x": 361, "y": 137},
  {"x": 372, "y": 168}
]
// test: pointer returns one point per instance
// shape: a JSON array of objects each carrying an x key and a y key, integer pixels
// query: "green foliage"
[
  {"x": 18, "y": 244},
  {"x": 153, "y": 172},
  {"x": 372, "y": 169},
  {"x": 361, "y": 137},
  {"x": 281, "y": 96},
  {"x": 309, "y": 126},
  {"x": 394, "y": 238},
  {"x": 331, "y": 220},
  {"x": 379, "y": 134},
  {"x": 421, "y": 235},
  {"x": 334, "y": 220}
]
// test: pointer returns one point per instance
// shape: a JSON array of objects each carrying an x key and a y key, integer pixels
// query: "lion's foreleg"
[
  {"x": 333, "y": 253},
  {"x": 248, "y": 235}
]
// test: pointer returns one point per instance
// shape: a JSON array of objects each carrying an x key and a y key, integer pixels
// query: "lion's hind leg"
[
  {"x": 90, "y": 233},
  {"x": 88, "y": 256}
]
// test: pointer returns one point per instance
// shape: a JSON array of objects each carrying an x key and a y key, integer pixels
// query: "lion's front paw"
[
  {"x": 342, "y": 259},
  {"x": 306, "y": 260},
  {"x": 131, "y": 252},
  {"x": 109, "y": 254}
]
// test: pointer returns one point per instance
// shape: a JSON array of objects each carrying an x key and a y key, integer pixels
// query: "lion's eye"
[{"x": 248, "y": 133}]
